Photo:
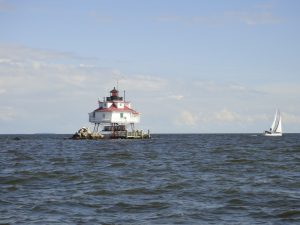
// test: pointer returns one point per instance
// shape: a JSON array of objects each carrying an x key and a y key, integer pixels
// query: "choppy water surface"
[{"x": 170, "y": 179}]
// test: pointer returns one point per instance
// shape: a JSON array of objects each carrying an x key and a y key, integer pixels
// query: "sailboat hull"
[{"x": 273, "y": 134}]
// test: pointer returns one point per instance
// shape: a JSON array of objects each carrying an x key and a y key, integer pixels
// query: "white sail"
[
  {"x": 279, "y": 127},
  {"x": 273, "y": 126},
  {"x": 276, "y": 127}
]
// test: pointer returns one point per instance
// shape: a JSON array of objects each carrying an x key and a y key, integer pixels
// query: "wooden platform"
[{"x": 130, "y": 134}]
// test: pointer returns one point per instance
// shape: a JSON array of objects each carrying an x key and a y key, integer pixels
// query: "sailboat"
[{"x": 276, "y": 128}]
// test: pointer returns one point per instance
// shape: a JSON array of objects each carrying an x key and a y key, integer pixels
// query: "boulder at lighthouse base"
[{"x": 85, "y": 133}]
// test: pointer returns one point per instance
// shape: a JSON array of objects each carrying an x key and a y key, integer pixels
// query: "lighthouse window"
[
  {"x": 121, "y": 115},
  {"x": 103, "y": 115}
]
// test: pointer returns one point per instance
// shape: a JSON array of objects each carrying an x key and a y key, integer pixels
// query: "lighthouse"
[{"x": 116, "y": 117}]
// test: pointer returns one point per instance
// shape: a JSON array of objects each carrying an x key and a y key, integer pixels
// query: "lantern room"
[{"x": 114, "y": 95}]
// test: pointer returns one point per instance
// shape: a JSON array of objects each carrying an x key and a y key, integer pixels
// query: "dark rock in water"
[
  {"x": 16, "y": 139},
  {"x": 84, "y": 133}
]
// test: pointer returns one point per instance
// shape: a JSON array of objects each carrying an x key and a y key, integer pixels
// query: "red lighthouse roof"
[{"x": 113, "y": 108}]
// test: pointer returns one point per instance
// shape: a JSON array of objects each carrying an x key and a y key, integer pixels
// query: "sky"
[{"x": 188, "y": 66}]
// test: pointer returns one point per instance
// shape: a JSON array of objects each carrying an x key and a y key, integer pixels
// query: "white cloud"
[
  {"x": 143, "y": 83},
  {"x": 5, "y": 61},
  {"x": 18, "y": 53},
  {"x": 7, "y": 113},
  {"x": 254, "y": 18},
  {"x": 210, "y": 20},
  {"x": 291, "y": 118},
  {"x": 30, "y": 69},
  {"x": 26, "y": 70},
  {"x": 211, "y": 86},
  {"x": 176, "y": 97},
  {"x": 259, "y": 15},
  {"x": 86, "y": 65},
  {"x": 291, "y": 89},
  {"x": 187, "y": 118},
  {"x": 237, "y": 87},
  {"x": 227, "y": 116}
]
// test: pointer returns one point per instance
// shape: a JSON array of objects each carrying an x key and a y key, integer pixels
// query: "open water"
[{"x": 170, "y": 179}]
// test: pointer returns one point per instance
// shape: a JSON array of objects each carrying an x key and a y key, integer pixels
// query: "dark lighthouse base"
[{"x": 84, "y": 133}]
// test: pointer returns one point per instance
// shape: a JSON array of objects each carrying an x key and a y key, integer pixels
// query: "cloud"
[
  {"x": 291, "y": 89},
  {"x": 17, "y": 53},
  {"x": 7, "y": 113},
  {"x": 254, "y": 18},
  {"x": 210, "y": 20},
  {"x": 142, "y": 83},
  {"x": 230, "y": 116},
  {"x": 290, "y": 118},
  {"x": 260, "y": 14},
  {"x": 227, "y": 116},
  {"x": 176, "y": 97},
  {"x": 187, "y": 118},
  {"x": 30, "y": 69},
  {"x": 86, "y": 65},
  {"x": 224, "y": 116},
  {"x": 211, "y": 86},
  {"x": 37, "y": 80}
]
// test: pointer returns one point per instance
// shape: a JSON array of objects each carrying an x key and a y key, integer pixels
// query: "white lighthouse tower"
[{"x": 116, "y": 117}]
